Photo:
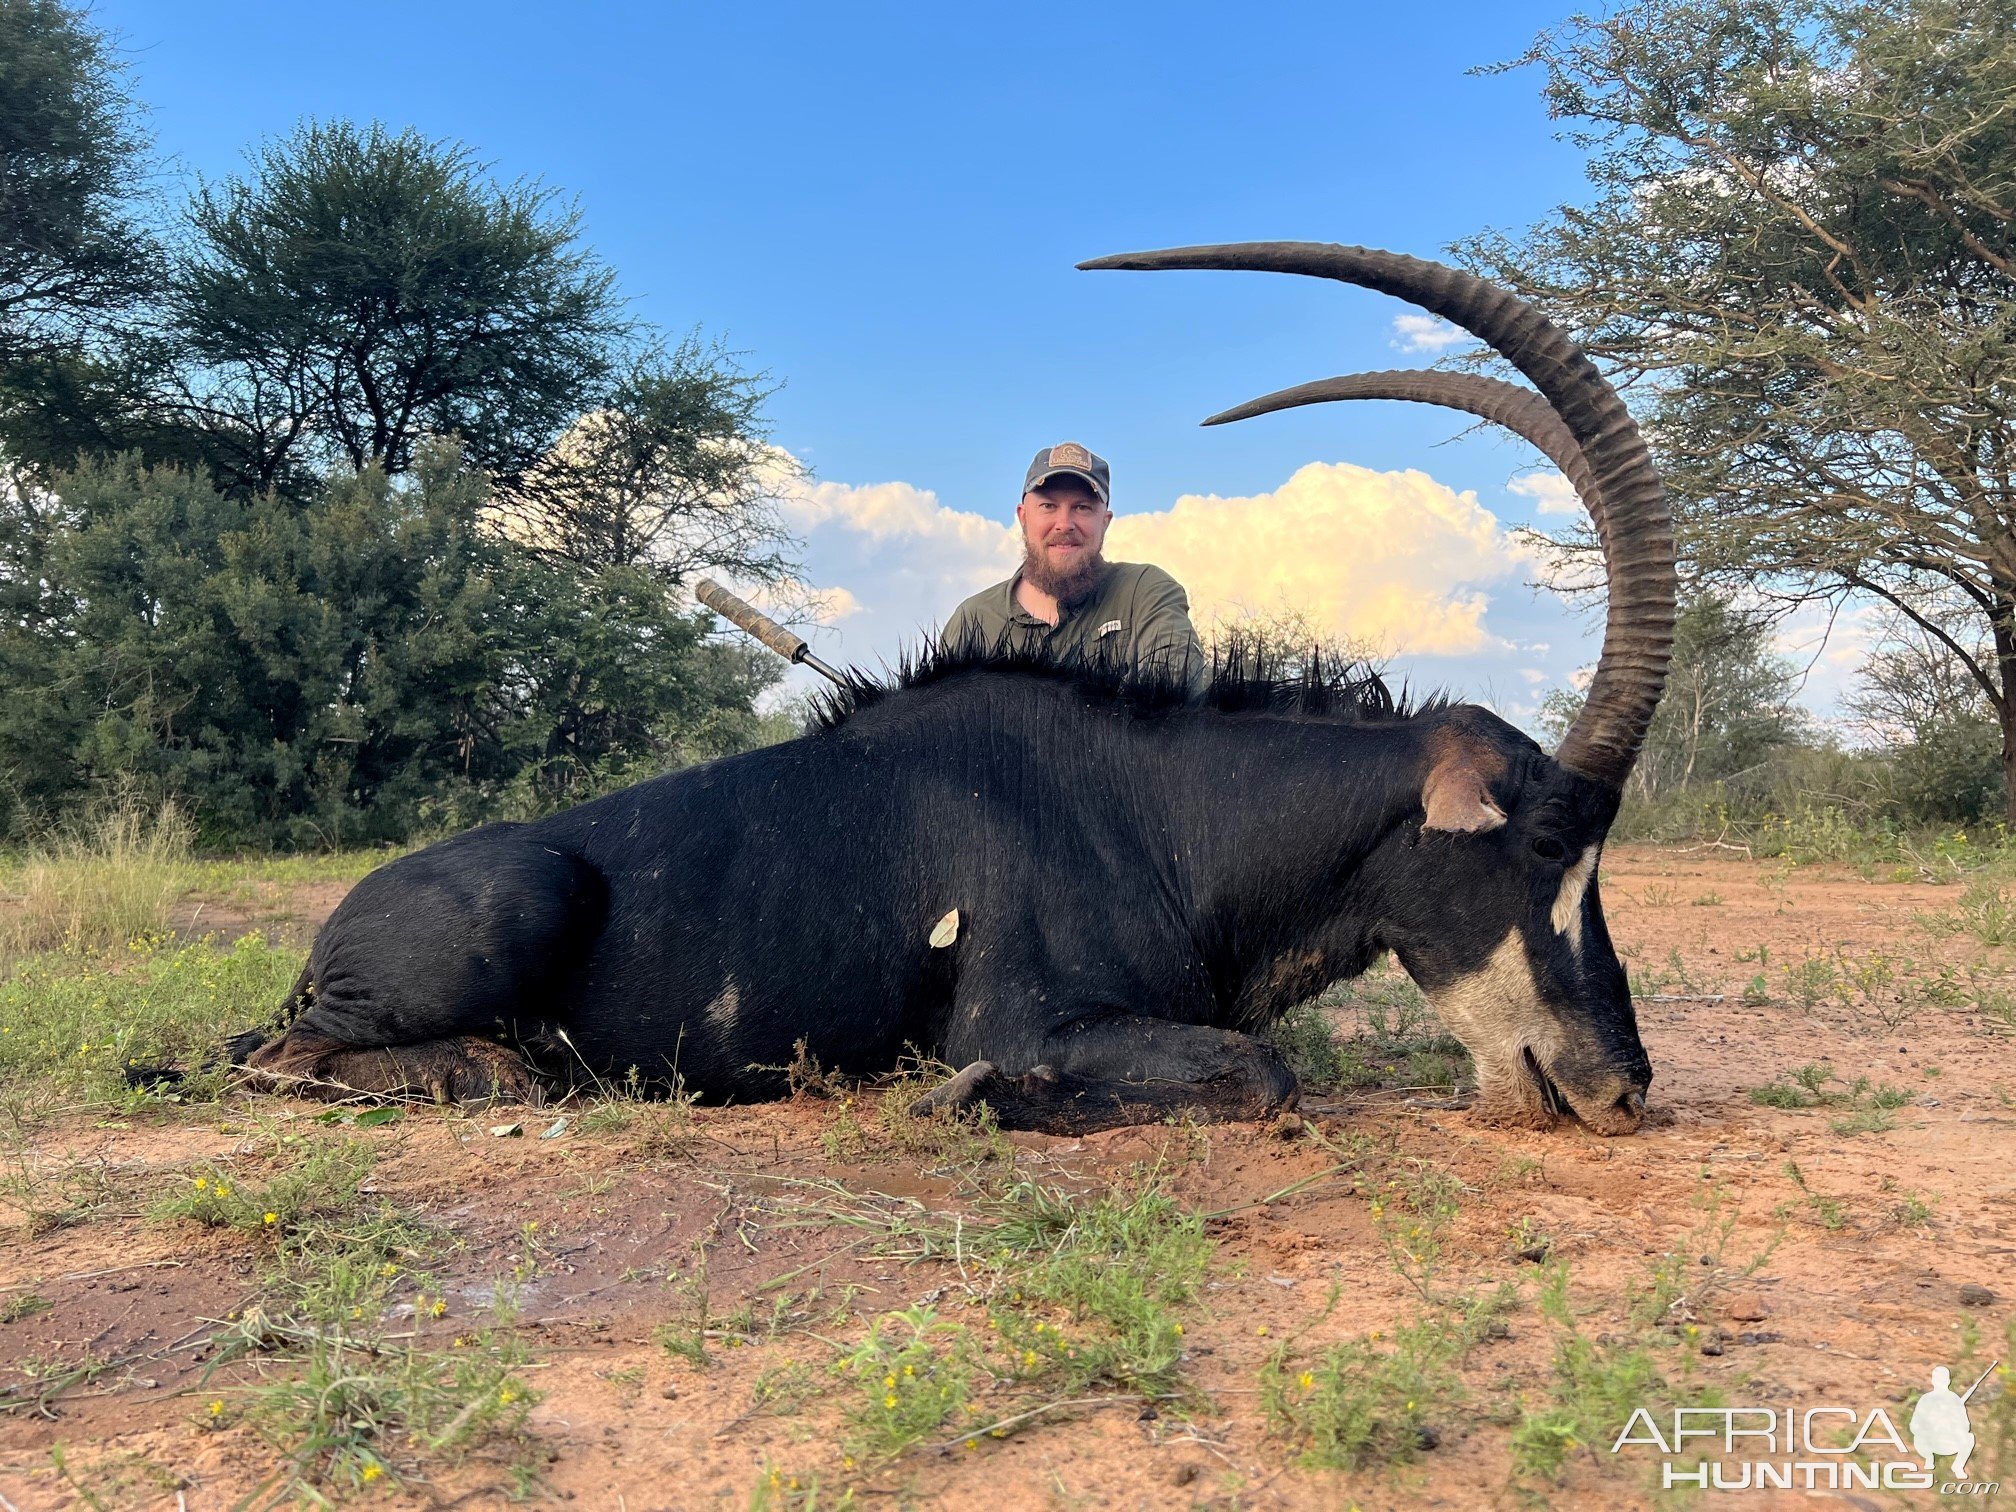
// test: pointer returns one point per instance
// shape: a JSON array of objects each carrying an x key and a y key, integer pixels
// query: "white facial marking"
[
  {"x": 1496, "y": 1013},
  {"x": 1567, "y": 914}
]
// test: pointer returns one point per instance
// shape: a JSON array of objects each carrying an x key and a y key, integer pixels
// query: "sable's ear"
[{"x": 1457, "y": 799}]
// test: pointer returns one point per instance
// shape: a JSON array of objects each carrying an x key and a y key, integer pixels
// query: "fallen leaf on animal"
[{"x": 945, "y": 931}]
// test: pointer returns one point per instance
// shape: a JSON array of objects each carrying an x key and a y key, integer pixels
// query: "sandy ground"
[{"x": 1856, "y": 1303}]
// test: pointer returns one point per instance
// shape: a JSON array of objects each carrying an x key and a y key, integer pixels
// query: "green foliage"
[
  {"x": 913, "y": 1374},
  {"x": 78, "y": 1024},
  {"x": 365, "y": 288},
  {"x": 350, "y": 1414},
  {"x": 1116, "y": 1266},
  {"x": 347, "y": 672},
  {"x": 1799, "y": 247},
  {"x": 357, "y": 511},
  {"x": 1864, "y": 1108},
  {"x": 1372, "y": 1401},
  {"x": 1376, "y": 1030},
  {"x": 1728, "y": 703},
  {"x": 69, "y": 170},
  {"x": 320, "y": 1185}
]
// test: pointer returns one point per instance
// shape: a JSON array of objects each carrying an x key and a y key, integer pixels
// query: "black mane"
[{"x": 1245, "y": 678}]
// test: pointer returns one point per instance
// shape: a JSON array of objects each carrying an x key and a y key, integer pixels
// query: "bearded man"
[{"x": 1067, "y": 600}]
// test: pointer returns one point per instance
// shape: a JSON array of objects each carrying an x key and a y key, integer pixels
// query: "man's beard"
[{"x": 1070, "y": 587}]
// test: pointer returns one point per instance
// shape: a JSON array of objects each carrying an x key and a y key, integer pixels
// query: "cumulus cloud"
[
  {"x": 1393, "y": 558},
  {"x": 1425, "y": 333},
  {"x": 1551, "y": 493},
  {"x": 1396, "y": 560},
  {"x": 950, "y": 545}
]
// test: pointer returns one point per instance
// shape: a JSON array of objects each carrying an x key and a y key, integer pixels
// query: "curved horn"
[
  {"x": 1519, "y": 410},
  {"x": 1638, "y": 633}
]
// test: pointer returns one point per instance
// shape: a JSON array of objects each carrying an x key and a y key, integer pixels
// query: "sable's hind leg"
[
  {"x": 1126, "y": 1069},
  {"x": 464, "y": 1069}
]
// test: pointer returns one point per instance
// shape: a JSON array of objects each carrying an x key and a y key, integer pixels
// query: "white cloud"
[
  {"x": 1425, "y": 333},
  {"x": 1552, "y": 494},
  {"x": 1394, "y": 558}
]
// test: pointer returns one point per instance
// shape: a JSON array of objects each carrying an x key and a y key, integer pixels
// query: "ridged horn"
[
  {"x": 1519, "y": 410},
  {"x": 1624, "y": 486}
]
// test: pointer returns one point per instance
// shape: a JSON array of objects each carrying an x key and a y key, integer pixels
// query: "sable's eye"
[{"x": 1549, "y": 850}]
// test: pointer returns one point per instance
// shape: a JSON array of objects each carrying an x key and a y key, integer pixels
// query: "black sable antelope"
[{"x": 1137, "y": 885}]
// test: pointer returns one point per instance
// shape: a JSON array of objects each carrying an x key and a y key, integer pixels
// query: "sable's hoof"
[{"x": 956, "y": 1093}]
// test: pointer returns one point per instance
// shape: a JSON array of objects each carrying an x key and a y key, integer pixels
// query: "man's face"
[{"x": 1063, "y": 529}]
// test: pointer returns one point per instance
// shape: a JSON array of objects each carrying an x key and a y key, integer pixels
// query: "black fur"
[{"x": 1138, "y": 882}]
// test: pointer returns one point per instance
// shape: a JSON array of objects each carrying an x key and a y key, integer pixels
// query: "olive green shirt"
[{"x": 1138, "y": 620}]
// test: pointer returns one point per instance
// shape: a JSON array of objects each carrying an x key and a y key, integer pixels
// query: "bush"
[{"x": 343, "y": 671}]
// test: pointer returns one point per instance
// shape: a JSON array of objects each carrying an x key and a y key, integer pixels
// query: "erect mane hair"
[{"x": 1246, "y": 677}]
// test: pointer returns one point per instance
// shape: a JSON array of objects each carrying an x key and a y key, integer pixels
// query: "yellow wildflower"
[
  {"x": 889, "y": 1400},
  {"x": 1308, "y": 1380},
  {"x": 372, "y": 1472},
  {"x": 202, "y": 1182},
  {"x": 507, "y": 1396},
  {"x": 271, "y": 1219},
  {"x": 889, "y": 1381},
  {"x": 1028, "y": 1358},
  {"x": 216, "y": 1409},
  {"x": 438, "y": 1308}
]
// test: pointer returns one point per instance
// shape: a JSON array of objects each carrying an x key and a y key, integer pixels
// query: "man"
[{"x": 1067, "y": 599}]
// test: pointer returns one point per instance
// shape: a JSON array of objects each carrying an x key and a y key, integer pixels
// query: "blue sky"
[{"x": 881, "y": 205}]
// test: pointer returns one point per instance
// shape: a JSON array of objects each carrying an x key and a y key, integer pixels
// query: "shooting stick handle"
[
  {"x": 791, "y": 647},
  {"x": 751, "y": 619}
]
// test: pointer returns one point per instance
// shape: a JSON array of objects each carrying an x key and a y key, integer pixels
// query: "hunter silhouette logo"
[
  {"x": 1830, "y": 1447},
  {"x": 1939, "y": 1422}
]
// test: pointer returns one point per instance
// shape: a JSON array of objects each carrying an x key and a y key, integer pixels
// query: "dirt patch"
[{"x": 1883, "y": 1203}]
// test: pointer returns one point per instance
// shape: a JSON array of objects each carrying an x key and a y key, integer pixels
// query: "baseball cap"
[{"x": 1067, "y": 459}]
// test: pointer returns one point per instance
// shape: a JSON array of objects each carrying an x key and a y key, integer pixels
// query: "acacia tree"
[
  {"x": 363, "y": 289},
  {"x": 1728, "y": 703},
  {"x": 669, "y": 474},
  {"x": 70, "y": 155},
  {"x": 1801, "y": 254}
]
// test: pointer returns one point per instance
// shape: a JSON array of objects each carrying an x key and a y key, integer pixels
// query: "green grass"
[
  {"x": 1084, "y": 1296},
  {"x": 912, "y": 1375},
  {"x": 1376, "y": 1400},
  {"x": 1090, "y": 1286},
  {"x": 351, "y": 1412},
  {"x": 1866, "y": 1108},
  {"x": 1986, "y": 910},
  {"x": 1374, "y": 1031},
  {"x": 73, "y": 1025},
  {"x": 350, "y": 1408},
  {"x": 95, "y": 885}
]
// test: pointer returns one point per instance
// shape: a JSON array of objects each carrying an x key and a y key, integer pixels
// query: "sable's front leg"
[{"x": 1120, "y": 1069}]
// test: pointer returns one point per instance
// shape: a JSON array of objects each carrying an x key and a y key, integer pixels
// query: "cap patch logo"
[
  {"x": 1070, "y": 454},
  {"x": 1108, "y": 628}
]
